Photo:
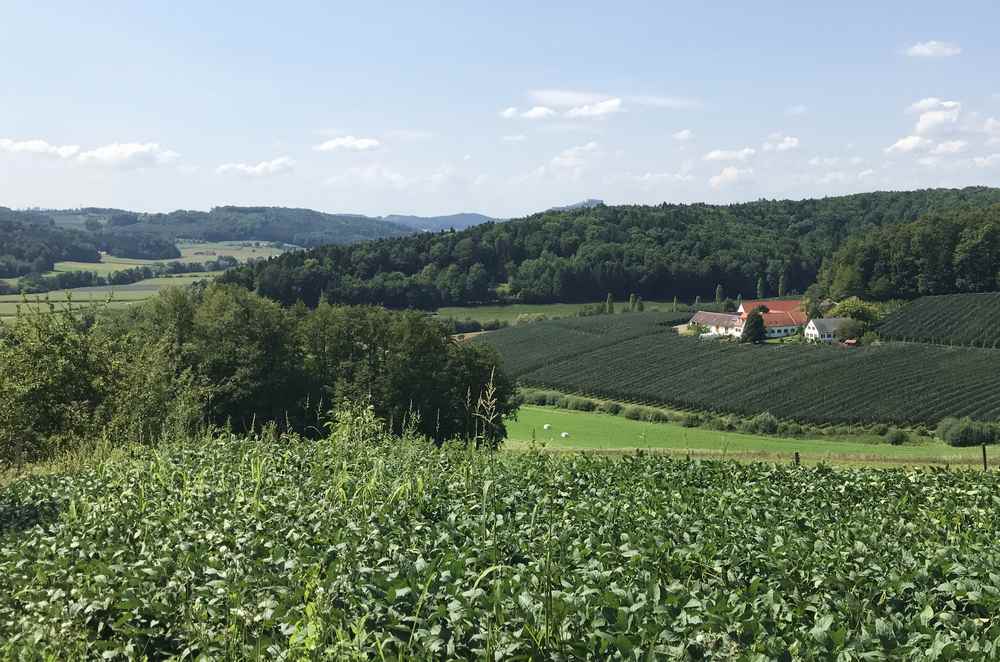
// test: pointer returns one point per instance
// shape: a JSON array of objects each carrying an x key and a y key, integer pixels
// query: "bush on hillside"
[
  {"x": 966, "y": 432},
  {"x": 897, "y": 437}
]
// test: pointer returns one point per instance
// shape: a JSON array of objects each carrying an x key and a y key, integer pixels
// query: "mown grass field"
[
  {"x": 364, "y": 547},
  {"x": 122, "y": 295},
  {"x": 190, "y": 252},
  {"x": 509, "y": 313},
  {"x": 592, "y": 431}
]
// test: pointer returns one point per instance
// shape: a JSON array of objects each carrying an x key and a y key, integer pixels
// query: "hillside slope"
[
  {"x": 581, "y": 255},
  {"x": 954, "y": 319},
  {"x": 632, "y": 358}
]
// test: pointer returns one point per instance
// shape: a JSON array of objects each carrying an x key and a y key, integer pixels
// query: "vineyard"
[
  {"x": 635, "y": 358},
  {"x": 971, "y": 320},
  {"x": 362, "y": 547}
]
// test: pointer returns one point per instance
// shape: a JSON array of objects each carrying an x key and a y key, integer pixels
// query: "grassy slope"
[
  {"x": 593, "y": 431},
  {"x": 509, "y": 312}
]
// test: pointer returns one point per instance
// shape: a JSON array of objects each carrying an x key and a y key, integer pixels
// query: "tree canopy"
[{"x": 581, "y": 255}]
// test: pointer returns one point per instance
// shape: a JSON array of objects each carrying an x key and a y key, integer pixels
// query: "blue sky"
[{"x": 504, "y": 108}]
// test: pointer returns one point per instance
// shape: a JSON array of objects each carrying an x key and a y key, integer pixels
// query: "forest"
[
  {"x": 581, "y": 255},
  {"x": 944, "y": 252}
]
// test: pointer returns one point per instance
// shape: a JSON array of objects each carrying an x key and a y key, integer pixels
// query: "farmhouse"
[
  {"x": 719, "y": 324},
  {"x": 784, "y": 317},
  {"x": 824, "y": 329}
]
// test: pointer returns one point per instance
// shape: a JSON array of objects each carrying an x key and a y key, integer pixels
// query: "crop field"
[
  {"x": 636, "y": 360},
  {"x": 953, "y": 319},
  {"x": 122, "y": 295},
  {"x": 356, "y": 548},
  {"x": 593, "y": 431}
]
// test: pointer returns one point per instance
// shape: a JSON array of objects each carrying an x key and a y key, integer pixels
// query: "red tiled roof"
[
  {"x": 781, "y": 312},
  {"x": 774, "y": 305}
]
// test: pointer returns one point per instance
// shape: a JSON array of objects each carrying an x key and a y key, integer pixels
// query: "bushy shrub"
[
  {"x": 657, "y": 416},
  {"x": 608, "y": 407},
  {"x": 763, "y": 423},
  {"x": 881, "y": 429},
  {"x": 690, "y": 420},
  {"x": 493, "y": 325},
  {"x": 897, "y": 437},
  {"x": 966, "y": 432},
  {"x": 541, "y": 398},
  {"x": 577, "y": 403},
  {"x": 634, "y": 413}
]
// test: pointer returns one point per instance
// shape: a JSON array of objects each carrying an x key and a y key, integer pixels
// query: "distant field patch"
[{"x": 510, "y": 312}]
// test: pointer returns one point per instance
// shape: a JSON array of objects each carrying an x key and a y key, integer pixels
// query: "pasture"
[
  {"x": 121, "y": 295},
  {"x": 592, "y": 431}
]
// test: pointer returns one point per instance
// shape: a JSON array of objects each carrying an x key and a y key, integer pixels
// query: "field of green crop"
[
  {"x": 190, "y": 252},
  {"x": 364, "y": 548},
  {"x": 971, "y": 320},
  {"x": 637, "y": 358}
]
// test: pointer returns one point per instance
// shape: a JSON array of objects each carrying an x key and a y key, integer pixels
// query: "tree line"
[
  {"x": 220, "y": 355},
  {"x": 944, "y": 252},
  {"x": 654, "y": 252}
]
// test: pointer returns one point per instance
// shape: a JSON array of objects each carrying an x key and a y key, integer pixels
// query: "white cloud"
[
  {"x": 129, "y": 155},
  {"x": 987, "y": 161},
  {"x": 374, "y": 175},
  {"x": 779, "y": 143},
  {"x": 934, "y": 119},
  {"x": 908, "y": 144},
  {"x": 950, "y": 147},
  {"x": 797, "y": 109},
  {"x": 836, "y": 177},
  {"x": 992, "y": 129},
  {"x": 262, "y": 169},
  {"x": 538, "y": 113},
  {"x": 730, "y": 175},
  {"x": 509, "y": 113},
  {"x": 348, "y": 143},
  {"x": 931, "y": 103},
  {"x": 864, "y": 174},
  {"x": 599, "y": 109},
  {"x": 566, "y": 98},
  {"x": 730, "y": 155},
  {"x": 933, "y": 49},
  {"x": 38, "y": 147},
  {"x": 514, "y": 139},
  {"x": 683, "y": 135},
  {"x": 574, "y": 157},
  {"x": 673, "y": 103},
  {"x": 824, "y": 160}
]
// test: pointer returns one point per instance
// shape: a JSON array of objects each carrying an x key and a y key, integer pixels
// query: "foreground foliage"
[
  {"x": 361, "y": 547},
  {"x": 640, "y": 358}
]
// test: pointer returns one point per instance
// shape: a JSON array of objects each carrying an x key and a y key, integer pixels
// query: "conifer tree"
[
  {"x": 609, "y": 305},
  {"x": 719, "y": 293},
  {"x": 781, "y": 285},
  {"x": 761, "y": 290}
]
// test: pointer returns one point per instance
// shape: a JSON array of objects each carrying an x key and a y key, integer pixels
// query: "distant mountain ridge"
[
  {"x": 589, "y": 203},
  {"x": 438, "y": 223}
]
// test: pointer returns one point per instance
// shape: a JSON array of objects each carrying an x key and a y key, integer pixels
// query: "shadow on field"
[{"x": 17, "y": 516}]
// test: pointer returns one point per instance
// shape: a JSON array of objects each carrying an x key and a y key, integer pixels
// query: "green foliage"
[
  {"x": 953, "y": 250},
  {"x": 897, "y": 437},
  {"x": 581, "y": 255},
  {"x": 719, "y": 293},
  {"x": 364, "y": 547},
  {"x": 761, "y": 288},
  {"x": 953, "y": 319},
  {"x": 753, "y": 329},
  {"x": 967, "y": 432},
  {"x": 639, "y": 358}
]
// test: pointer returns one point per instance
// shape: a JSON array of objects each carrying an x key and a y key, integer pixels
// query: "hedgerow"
[{"x": 362, "y": 546}]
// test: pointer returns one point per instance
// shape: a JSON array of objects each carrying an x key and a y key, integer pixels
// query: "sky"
[{"x": 503, "y": 108}]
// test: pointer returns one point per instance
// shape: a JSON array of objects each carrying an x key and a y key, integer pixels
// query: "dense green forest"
[
  {"x": 222, "y": 356},
  {"x": 582, "y": 254},
  {"x": 944, "y": 252}
]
